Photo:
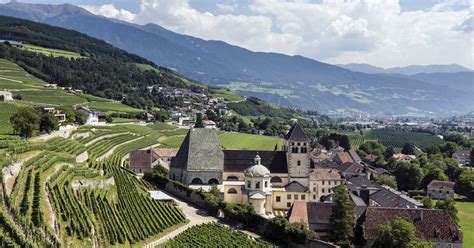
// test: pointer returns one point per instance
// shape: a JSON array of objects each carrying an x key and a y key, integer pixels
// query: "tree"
[
  {"x": 408, "y": 175},
  {"x": 387, "y": 180},
  {"x": 433, "y": 174},
  {"x": 373, "y": 147},
  {"x": 70, "y": 115},
  {"x": 408, "y": 149},
  {"x": 199, "y": 123},
  {"x": 48, "y": 123},
  {"x": 465, "y": 185},
  {"x": 449, "y": 206},
  {"x": 345, "y": 143},
  {"x": 427, "y": 202},
  {"x": 25, "y": 121},
  {"x": 398, "y": 233},
  {"x": 342, "y": 219},
  {"x": 81, "y": 117},
  {"x": 472, "y": 156},
  {"x": 388, "y": 154},
  {"x": 448, "y": 148}
]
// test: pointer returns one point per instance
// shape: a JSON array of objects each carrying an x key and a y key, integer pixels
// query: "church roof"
[
  {"x": 295, "y": 187},
  {"x": 239, "y": 160},
  {"x": 200, "y": 151},
  {"x": 257, "y": 170},
  {"x": 296, "y": 133}
]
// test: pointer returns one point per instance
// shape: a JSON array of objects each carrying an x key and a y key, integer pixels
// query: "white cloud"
[
  {"x": 227, "y": 7},
  {"x": 369, "y": 31},
  {"x": 110, "y": 11}
]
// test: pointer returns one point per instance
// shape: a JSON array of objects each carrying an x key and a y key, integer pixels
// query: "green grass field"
[
  {"x": 227, "y": 95},
  {"x": 51, "y": 52},
  {"x": 234, "y": 140},
  {"x": 466, "y": 217},
  {"x": 6, "y": 111},
  {"x": 51, "y": 96},
  {"x": 113, "y": 107}
]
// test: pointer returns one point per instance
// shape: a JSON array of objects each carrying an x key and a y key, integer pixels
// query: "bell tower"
[{"x": 297, "y": 150}]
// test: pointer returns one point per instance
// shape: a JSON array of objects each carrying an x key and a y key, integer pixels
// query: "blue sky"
[{"x": 385, "y": 33}]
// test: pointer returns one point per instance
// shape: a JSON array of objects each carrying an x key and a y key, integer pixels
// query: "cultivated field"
[
  {"x": 51, "y": 52},
  {"x": 213, "y": 235}
]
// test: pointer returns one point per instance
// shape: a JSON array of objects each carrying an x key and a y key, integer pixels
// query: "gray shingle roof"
[
  {"x": 296, "y": 133},
  {"x": 295, "y": 187},
  {"x": 239, "y": 160},
  {"x": 200, "y": 151}
]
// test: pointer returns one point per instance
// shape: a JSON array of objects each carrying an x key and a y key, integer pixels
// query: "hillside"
[
  {"x": 407, "y": 70},
  {"x": 287, "y": 80}
]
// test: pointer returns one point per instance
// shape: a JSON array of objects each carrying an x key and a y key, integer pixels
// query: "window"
[
  {"x": 232, "y": 178},
  {"x": 314, "y": 189},
  {"x": 298, "y": 163},
  {"x": 288, "y": 204},
  {"x": 329, "y": 182},
  {"x": 296, "y": 197},
  {"x": 303, "y": 197},
  {"x": 257, "y": 185},
  {"x": 248, "y": 184},
  {"x": 232, "y": 191},
  {"x": 314, "y": 197},
  {"x": 276, "y": 179},
  {"x": 288, "y": 197},
  {"x": 292, "y": 143},
  {"x": 323, "y": 182},
  {"x": 278, "y": 199},
  {"x": 266, "y": 184},
  {"x": 299, "y": 143},
  {"x": 439, "y": 191},
  {"x": 304, "y": 144},
  {"x": 322, "y": 190}
]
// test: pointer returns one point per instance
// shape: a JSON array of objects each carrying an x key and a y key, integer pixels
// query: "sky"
[{"x": 385, "y": 33}]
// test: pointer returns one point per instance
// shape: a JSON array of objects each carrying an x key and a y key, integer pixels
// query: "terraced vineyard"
[
  {"x": 55, "y": 200},
  {"x": 214, "y": 235}
]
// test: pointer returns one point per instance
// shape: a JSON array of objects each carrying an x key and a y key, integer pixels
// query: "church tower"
[{"x": 297, "y": 150}]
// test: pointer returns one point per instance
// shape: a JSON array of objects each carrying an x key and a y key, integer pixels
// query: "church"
[{"x": 268, "y": 180}]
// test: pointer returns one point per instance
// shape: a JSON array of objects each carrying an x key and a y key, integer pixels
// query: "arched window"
[
  {"x": 232, "y": 178},
  {"x": 232, "y": 191},
  {"x": 257, "y": 185},
  {"x": 276, "y": 179},
  {"x": 213, "y": 181},
  {"x": 196, "y": 181}
]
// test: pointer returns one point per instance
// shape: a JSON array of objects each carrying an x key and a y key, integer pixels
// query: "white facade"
[{"x": 7, "y": 96}]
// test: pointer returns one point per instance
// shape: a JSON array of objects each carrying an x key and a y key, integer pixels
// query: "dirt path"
[
  {"x": 60, "y": 133},
  {"x": 195, "y": 216},
  {"x": 10, "y": 173}
]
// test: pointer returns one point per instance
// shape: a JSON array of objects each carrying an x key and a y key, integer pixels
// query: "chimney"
[{"x": 364, "y": 193}]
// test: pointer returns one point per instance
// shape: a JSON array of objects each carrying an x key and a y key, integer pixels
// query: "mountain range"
[
  {"x": 293, "y": 81},
  {"x": 407, "y": 70}
]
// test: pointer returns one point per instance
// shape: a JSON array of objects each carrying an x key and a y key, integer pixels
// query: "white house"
[
  {"x": 209, "y": 124},
  {"x": 6, "y": 96},
  {"x": 440, "y": 189}
]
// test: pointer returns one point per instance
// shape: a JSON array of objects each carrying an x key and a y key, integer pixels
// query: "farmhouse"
[
  {"x": 268, "y": 180},
  {"x": 6, "y": 96},
  {"x": 142, "y": 161},
  {"x": 432, "y": 225},
  {"x": 440, "y": 189}
]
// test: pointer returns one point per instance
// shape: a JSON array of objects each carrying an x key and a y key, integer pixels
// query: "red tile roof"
[
  {"x": 432, "y": 225},
  {"x": 344, "y": 157}
]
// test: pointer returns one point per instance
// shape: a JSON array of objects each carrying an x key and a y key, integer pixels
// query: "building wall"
[
  {"x": 298, "y": 161},
  {"x": 205, "y": 176},
  {"x": 233, "y": 198},
  {"x": 440, "y": 193},
  {"x": 287, "y": 198},
  {"x": 322, "y": 187}
]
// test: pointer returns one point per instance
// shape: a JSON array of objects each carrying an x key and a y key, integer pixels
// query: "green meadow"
[{"x": 51, "y": 52}]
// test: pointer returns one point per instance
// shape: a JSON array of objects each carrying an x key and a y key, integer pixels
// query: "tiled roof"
[
  {"x": 296, "y": 133},
  {"x": 441, "y": 184},
  {"x": 352, "y": 167},
  {"x": 390, "y": 198},
  {"x": 324, "y": 174},
  {"x": 298, "y": 212},
  {"x": 327, "y": 164},
  {"x": 166, "y": 152},
  {"x": 141, "y": 158},
  {"x": 239, "y": 160},
  {"x": 432, "y": 225},
  {"x": 354, "y": 156},
  {"x": 200, "y": 151},
  {"x": 295, "y": 187},
  {"x": 344, "y": 157}
]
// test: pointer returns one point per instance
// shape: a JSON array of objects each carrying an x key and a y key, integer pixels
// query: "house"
[
  {"x": 149, "y": 117},
  {"x": 321, "y": 182},
  {"x": 142, "y": 161},
  {"x": 432, "y": 225},
  {"x": 209, "y": 124},
  {"x": 60, "y": 116},
  {"x": 318, "y": 155},
  {"x": 14, "y": 43},
  {"x": 350, "y": 156},
  {"x": 165, "y": 155},
  {"x": 51, "y": 86},
  {"x": 440, "y": 189},
  {"x": 371, "y": 158},
  {"x": 185, "y": 121},
  {"x": 93, "y": 117},
  {"x": 404, "y": 157},
  {"x": 315, "y": 215},
  {"x": 463, "y": 157},
  {"x": 6, "y": 96}
]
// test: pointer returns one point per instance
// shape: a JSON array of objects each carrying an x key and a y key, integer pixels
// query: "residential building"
[
  {"x": 432, "y": 225},
  {"x": 321, "y": 182},
  {"x": 462, "y": 156},
  {"x": 209, "y": 124},
  {"x": 404, "y": 157},
  {"x": 6, "y": 96},
  {"x": 440, "y": 189},
  {"x": 165, "y": 155},
  {"x": 142, "y": 161}
]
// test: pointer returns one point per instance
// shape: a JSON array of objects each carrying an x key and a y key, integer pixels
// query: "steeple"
[{"x": 296, "y": 133}]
